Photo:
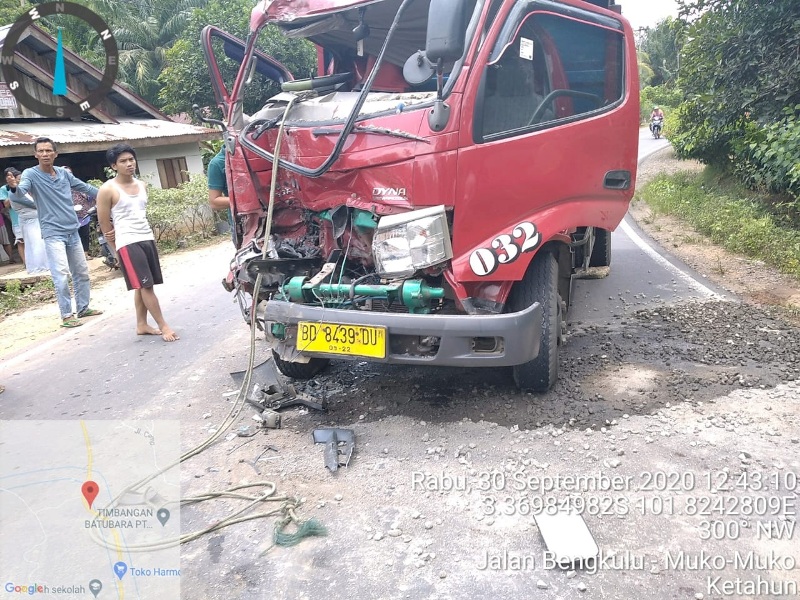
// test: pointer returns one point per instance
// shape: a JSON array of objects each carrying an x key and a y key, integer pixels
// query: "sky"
[{"x": 646, "y": 13}]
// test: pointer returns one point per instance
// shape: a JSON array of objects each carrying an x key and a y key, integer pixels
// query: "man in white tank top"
[{"x": 123, "y": 200}]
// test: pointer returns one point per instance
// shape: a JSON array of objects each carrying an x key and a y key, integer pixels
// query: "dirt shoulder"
[{"x": 752, "y": 280}]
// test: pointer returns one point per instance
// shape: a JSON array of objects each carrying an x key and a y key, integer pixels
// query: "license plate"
[{"x": 333, "y": 338}]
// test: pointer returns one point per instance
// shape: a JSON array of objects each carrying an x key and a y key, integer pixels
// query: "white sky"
[{"x": 646, "y": 13}]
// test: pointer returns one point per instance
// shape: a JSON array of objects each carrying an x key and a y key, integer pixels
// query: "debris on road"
[{"x": 339, "y": 445}]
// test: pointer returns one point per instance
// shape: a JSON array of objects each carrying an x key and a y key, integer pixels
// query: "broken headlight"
[{"x": 410, "y": 241}]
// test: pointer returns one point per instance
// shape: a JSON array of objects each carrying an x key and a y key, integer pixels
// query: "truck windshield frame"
[{"x": 349, "y": 122}]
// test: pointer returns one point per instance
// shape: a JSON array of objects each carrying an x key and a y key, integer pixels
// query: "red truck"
[{"x": 428, "y": 198}]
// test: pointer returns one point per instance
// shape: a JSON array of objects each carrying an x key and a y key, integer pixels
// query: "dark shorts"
[{"x": 139, "y": 264}]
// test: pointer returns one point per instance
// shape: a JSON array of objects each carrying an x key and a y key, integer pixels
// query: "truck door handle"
[{"x": 617, "y": 180}]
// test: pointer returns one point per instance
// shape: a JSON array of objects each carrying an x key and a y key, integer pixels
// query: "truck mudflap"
[{"x": 500, "y": 340}]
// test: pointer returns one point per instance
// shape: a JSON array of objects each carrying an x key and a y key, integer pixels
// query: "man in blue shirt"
[{"x": 51, "y": 188}]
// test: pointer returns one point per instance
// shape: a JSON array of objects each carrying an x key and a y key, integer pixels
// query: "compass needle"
[{"x": 60, "y": 73}]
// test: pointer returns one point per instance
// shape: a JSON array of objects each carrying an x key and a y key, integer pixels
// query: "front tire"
[
  {"x": 540, "y": 284},
  {"x": 298, "y": 370}
]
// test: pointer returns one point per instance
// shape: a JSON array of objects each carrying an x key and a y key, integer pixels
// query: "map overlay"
[{"x": 90, "y": 509}]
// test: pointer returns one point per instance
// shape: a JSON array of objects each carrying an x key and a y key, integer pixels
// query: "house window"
[{"x": 172, "y": 172}]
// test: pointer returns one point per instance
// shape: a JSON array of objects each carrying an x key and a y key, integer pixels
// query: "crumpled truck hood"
[{"x": 335, "y": 107}]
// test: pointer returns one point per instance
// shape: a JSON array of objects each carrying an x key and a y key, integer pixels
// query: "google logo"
[{"x": 25, "y": 589}]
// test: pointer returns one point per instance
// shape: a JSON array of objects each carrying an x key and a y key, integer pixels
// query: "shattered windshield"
[{"x": 351, "y": 39}]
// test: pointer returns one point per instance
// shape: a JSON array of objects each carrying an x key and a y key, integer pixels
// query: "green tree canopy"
[
  {"x": 741, "y": 56},
  {"x": 145, "y": 30},
  {"x": 662, "y": 46},
  {"x": 645, "y": 71},
  {"x": 740, "y": 73},
  {"x": 186, "y": 81},
  {"x": 10, "y": 10}
]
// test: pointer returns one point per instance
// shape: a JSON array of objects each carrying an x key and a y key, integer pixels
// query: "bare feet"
[
  {"x": 147, "y": 330},
  {"x": 168, "y": 335}
]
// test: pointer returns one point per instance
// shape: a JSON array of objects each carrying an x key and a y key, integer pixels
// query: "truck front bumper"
[{"x": 462, "y": 338}]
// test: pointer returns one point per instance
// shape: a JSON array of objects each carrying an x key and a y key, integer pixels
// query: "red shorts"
[{"x": 140, "y": 266}]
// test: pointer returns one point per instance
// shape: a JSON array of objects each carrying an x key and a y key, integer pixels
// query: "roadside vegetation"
[
  {"x": 180, "y": 217},
  {"x": 732, "y": 216},
  {"x": 16, "y": 296},
  {"x": 727, "y": 74}
]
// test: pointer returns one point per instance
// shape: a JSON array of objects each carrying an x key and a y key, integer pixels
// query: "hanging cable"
[{"x": 289, "y": 505}]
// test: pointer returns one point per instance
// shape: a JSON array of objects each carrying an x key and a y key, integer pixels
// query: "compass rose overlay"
[{"x": 55, "y": 109}]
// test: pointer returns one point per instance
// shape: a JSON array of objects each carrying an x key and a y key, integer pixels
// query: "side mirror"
[{"x": 447, "y": 25}]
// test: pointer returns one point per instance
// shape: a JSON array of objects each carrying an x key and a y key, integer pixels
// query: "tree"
[
  {"x": 11, "y": 9},
  {"x": 741, "y": 56},
  {"x": 646, "y": 73},
  {"x": 185, "y": 80},
  {"x": 662, "y": 45},
  {"x": 145, "y": 30},
  {"x": 740, "y": 72}
]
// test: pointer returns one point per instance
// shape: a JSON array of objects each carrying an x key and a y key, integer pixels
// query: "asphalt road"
[
  {"x": 104, "y": 371},
  {"x": 639, "y": 269}
]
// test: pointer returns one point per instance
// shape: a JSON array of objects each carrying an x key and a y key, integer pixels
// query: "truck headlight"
[{"x": 410, "y": 241}]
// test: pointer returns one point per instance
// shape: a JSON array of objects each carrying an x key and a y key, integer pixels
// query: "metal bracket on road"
[
  {"x": 339, "y": 445},
  {"x": 269, "y": 398},
  {"x": 273, "y": 398}
]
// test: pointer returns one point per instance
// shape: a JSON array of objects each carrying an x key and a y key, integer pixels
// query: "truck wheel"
[
  {"x": 601, "y": 252},
  {"x": 540, "y": 284},
  {"x": 300, "y": 370}
]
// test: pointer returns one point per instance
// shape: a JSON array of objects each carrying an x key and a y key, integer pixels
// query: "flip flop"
[
  {"x": 89, "y": 312},
  {"x": 71, "y": 323}
]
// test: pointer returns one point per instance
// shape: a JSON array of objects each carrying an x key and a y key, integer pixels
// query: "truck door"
[{"x": 545, "y": 120}]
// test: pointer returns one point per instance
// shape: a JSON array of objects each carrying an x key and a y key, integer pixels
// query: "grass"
[
  {"x": 15, "y": 298},
  {"x": 732, "y": 216}
]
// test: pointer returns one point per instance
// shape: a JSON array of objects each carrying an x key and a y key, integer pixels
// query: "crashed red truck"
[{"x": 439, "y": 184}]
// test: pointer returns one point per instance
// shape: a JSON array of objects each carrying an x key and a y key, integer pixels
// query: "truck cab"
[{"x": 429, "y": 196}]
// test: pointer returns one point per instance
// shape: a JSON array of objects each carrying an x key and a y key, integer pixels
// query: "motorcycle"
[
  {"x": 108, "y": 256},
  {"x": 655, "y": 126}
]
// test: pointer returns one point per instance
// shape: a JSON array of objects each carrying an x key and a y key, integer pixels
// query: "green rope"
[{"x": 305, "y": 529}]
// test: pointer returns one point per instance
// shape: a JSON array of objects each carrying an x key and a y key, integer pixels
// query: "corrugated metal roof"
[{"x": 68, "y": 132}]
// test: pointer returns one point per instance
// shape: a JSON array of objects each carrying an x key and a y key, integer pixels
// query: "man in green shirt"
[{"x": 218, "y": 198}]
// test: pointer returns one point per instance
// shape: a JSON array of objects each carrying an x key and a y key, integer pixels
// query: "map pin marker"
[
  {"x": 90, "y": 490},
  {"x": 163, "y": 516},
  {"x": 95, "y": 585},
  {"x": 120, "y": 569}
]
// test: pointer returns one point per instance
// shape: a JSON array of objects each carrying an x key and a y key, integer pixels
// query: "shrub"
[
  {"x": 11, "y": 296},
  {"x": 777, "y": 154},
  {"x": 16, "y": 297},
  {"x": 182, "y": 211}
]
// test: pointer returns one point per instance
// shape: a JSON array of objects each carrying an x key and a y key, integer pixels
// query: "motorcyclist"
[{"x": 656, "y": 114}]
